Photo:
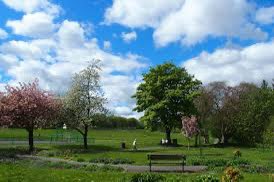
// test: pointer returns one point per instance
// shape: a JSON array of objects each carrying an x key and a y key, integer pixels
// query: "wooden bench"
[{"x": 175, "y": 158}]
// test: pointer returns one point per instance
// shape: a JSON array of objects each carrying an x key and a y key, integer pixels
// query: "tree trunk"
[
  {"x": 86, "y": 137},
  {"x": 168, "y": 132},
  {"x": 31, "y": 146}
]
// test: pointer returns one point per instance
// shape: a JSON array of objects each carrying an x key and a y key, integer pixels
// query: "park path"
[{"x": 126, "y": 167}]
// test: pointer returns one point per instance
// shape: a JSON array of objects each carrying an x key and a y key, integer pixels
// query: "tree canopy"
[
  {"x": 84, "y": 100},
  {"x": 165, "y": 95},
  {"x": 27, "y": 106}
]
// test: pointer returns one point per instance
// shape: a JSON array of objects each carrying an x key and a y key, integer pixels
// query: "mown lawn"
[
  {"x": 107, "y": 145},
  {"x": 22, "y": 171}
]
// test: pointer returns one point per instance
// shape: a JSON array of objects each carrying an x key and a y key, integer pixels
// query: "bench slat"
[{"x": 165, "y": 157}]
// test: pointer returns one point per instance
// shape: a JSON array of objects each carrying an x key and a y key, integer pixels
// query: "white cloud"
[
  {"x": 140, "y": 13},
  {"x": 187, "y": 21},
  {"x": 250, "y": 64},
  {"x": 107, "y": 45},
  {"x": 35, "y": 25},
  {"x": 265, "y": 15},
  {"x": 54, "y": 60},
  {"x": 7, "y": 60},
  {"x": 3, "y": 34},
  {"x": 129, "y": 37},
  {"x": 29, "y": 6}
]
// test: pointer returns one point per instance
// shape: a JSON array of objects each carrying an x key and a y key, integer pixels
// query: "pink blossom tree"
[
  {"x": 28, "y": 107},
  {"x": 190, "y": 127}
]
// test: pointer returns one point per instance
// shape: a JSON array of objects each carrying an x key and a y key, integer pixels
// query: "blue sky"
[{"x": 216, "y": 40}]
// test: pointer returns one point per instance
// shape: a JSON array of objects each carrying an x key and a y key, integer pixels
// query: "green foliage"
[
  {"x": 207, "y": 178},
  {"x": 238, "y": 162},
  {"x": 208, "y": 162},
  {"x": 257, "y": 169},
  {"x": 106, "y": 121},
  {"x": 166, "y": 94},
  {"x": 147, "y": 177},
  {"x": 112, "y": 161},
  {"x": 218, "y": 162},
  {"x": 254, "y": 115},
  {"x": 268, "y": 136},
  {"x": 237, "y": 153},
  {"x": 80, "y": 160},
  {"x": 232, "y": 174}
]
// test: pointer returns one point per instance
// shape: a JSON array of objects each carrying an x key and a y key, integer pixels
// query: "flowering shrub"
[
  {"x": 190, "y": 126},
  {"x": 231, "y": 174}
]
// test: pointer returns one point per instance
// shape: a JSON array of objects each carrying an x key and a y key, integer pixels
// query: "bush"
[
  {"x": 237, "y": 154},
  {"x": 231, "y": 174},
  {"x": 238, "y": 162},
  {"x": 257, "y": 169},
  {"x": 80, "y": 160},
  {"x": 112, "y": 161},
  {"x": 207, "y": 178},
  {"x": 210, "y": 162},
  {"x": 147, "y": 177}
]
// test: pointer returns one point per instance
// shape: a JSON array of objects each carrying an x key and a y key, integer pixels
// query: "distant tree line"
[{"x": 118, "y": 122}]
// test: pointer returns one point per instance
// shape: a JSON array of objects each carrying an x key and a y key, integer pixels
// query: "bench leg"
[
  {"x": 183, "y": 166},
  {"x": 150, "y": 166}
]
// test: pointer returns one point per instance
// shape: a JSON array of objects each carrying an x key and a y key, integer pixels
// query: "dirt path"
[{"x": 126, "y": 167}]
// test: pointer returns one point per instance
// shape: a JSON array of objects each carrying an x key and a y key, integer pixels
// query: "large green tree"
[
  {"x": 166, "y": 94},
  {"x": 84, "y": 100},
  {"x": 255, "y": 108}
]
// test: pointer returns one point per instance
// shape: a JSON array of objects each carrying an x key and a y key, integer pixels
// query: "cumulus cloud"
[
  {"x": 187, "y": 21},
  {"x": 35, "y": 25},
  {"x": 250, "y": 64},
  {"x": 265, "y": 15},
  {"x": 140, "y": 13},
  {"x": 29, "y": 6},
  {"x": 3, "y": 34},
  {"x": 129, "y": 37},
  {"x": 53, "y": 60}
]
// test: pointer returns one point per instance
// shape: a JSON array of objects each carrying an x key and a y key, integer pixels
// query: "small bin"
[{"x": 123, "y": 145}]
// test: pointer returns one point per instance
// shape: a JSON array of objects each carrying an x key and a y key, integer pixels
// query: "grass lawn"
[
  {"x": 23, "y": 171},
  {"x": 107, "y": 145}
]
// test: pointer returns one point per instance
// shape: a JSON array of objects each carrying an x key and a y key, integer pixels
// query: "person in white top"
[{"x": 134, "y": 144}]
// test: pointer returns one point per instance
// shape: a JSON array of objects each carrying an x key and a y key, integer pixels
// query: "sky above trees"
[{"x": 215, "y": 40}]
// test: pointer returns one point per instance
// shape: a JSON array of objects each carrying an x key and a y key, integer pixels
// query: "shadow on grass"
[{"x": 12, "y": 152}]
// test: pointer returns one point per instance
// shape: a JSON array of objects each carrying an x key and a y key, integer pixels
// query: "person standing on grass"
[{"x": 134, "y": 144}]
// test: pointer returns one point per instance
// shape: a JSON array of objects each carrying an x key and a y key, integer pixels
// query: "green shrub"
[
  {"x": 238, "y": 162},
  {"x": 209, "y": 162},
  {"x": 147, "y": 177},
  {"x": 207, "y": 178},
  {"x": 112, "y": 161},
  {"x": 237, "y": 154},
  {"x": 257, "y": 169},
  {"x": 80, "y": 160}
]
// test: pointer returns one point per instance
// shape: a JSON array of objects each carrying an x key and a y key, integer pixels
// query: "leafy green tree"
[
  {"x": 166, "y": 94},
  {"x": 204, "y": 105},
  {"x": 84, "y": 100},
  {"x": 256, "y": 107}
]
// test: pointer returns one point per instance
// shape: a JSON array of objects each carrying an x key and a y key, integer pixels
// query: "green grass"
[
  {"x": 107, "y": 145},
  {"x": 22, "y": 171}
]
